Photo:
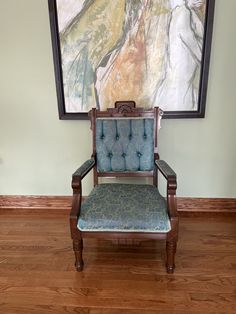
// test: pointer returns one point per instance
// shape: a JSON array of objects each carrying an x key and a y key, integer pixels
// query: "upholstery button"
[
  {"x": 102, "y": 137},
  {"x": 109, "y": 155},
  {"x": 130, "y": 136},
  {"x": 117, "y": 137},
  {"x": 145, "y": 136},
  {"x": 139, "y": 154},
  {"x": 123, "y": 155}
]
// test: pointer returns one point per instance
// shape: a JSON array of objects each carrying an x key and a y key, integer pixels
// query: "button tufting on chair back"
[{"x": 124, "y": 144}]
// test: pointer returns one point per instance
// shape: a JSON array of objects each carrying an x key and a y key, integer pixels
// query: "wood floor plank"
[
  {"x": 37, "y": 273},
  {"x": 32, "y": 309}
]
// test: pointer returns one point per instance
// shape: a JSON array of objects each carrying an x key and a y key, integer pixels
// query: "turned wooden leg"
[
  {"x": 78, "y": 249},
  {"x": 170, "y": 256}
]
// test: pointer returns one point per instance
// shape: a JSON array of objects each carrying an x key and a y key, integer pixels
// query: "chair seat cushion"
[{"x": 124, "y": 208}]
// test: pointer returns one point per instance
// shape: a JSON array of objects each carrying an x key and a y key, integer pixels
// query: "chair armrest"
[
  {"x": 81, "y": 172},
  {"x": 165, "y": 169},
  {"x": 77, "y": 177},
  {"x": 170, "y": 176}
]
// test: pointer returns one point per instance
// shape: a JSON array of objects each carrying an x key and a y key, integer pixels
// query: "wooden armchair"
[{"x": 125, "y": 144}]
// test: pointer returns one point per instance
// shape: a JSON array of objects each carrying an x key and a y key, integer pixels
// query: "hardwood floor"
[{"x": 37, "y": 273}]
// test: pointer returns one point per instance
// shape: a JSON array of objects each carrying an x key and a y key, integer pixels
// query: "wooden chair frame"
[{"x": 125, "y": 109}]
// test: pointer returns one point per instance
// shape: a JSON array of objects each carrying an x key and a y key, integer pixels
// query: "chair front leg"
[
  {"x": 78, "y": 250},
  {"x": 170, "y": 256}
]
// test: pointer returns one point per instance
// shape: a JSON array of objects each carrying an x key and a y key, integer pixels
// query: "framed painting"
[{"x": 155, "y": 52}]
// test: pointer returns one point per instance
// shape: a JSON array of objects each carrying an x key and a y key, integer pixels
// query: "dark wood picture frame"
[{"x": 206, "y": 49}]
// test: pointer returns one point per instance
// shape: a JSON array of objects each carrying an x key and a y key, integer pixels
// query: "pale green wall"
[{"x": 38, "y": 152}]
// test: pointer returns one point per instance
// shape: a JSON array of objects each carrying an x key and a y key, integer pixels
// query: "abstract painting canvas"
[{"x": 155, "y": 52}]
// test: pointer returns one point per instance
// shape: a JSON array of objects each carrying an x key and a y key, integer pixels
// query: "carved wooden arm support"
[
  {"x": 76, "y": 184},
  {"x": 170, "y": 176}
]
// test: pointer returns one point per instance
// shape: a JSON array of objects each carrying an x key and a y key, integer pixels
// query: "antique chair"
[{"x": 125, "y": 145}]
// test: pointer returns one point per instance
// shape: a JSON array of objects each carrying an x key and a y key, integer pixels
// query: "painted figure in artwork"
[
  {"x": 85, "y": 42},
  {"x": 180, "y": 84}
]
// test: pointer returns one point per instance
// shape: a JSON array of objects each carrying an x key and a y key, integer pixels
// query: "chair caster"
[
  {"x": 79, "y": 266},
  {"x": 170, "y": 269}
]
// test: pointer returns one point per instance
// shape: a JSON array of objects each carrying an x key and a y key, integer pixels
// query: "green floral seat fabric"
[{"x": 124, "y": 207}]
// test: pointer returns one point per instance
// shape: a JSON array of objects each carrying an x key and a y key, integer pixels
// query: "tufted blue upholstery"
[
  {"x": 124, "y": 207},
  {"x": 124, "y": 144}
]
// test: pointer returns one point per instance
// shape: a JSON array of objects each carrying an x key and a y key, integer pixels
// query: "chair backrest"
[{"x": 125, "y": 140}]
